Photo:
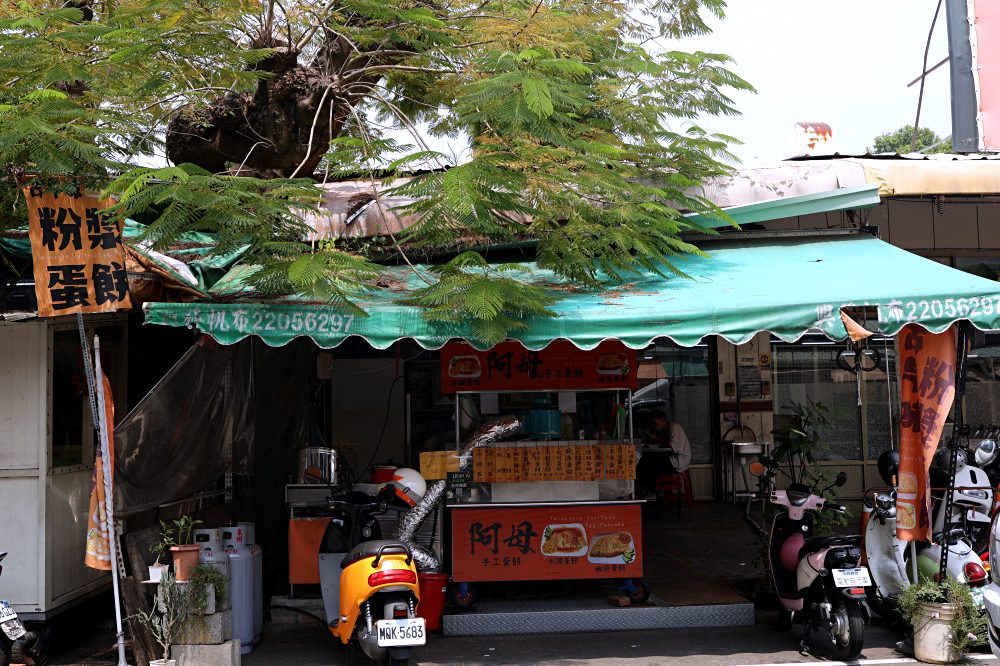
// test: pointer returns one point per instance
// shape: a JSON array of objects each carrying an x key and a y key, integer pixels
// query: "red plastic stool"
[{"x": 676, "y": 488}]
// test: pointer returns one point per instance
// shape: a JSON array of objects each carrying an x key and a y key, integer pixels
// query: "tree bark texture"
[{"x": 267, "y": 133}]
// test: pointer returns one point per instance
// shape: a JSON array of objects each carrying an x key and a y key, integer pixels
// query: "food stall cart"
[{"x": 560, "y": 502}]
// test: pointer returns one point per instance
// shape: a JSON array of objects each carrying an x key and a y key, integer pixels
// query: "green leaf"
[{"x": 538, "y": 97}]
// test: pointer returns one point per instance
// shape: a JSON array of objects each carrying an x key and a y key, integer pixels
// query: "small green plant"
[
  {"x": 796, "y": 451},
  {"x": 170, "y": 608},
  {"x": 201, "y": 578},
  {"x": 184, "y": 529},
  {"x": 162, "y": 546},
  {"x": 968, "y": 628}
]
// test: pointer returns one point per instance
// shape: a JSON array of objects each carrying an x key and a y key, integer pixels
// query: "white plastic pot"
[
  {"x": 163, "y": 662},
  {"x": 932, "y": 637},
  {"x": 156, "y": 572}
]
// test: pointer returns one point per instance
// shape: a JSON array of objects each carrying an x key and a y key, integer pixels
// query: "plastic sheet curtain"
[{"x": 245, "y": 398}]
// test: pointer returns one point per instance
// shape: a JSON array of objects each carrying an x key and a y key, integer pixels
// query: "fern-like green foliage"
[
  {"x": 487, "y": 296},
  {"x": 582, "y": 137}
]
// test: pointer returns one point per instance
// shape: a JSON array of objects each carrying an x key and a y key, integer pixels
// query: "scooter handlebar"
[{"x": 833, "y": 506}]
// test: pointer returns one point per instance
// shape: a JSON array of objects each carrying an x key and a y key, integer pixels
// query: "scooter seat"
[
  {"x": 819, "y": 543},
  {"x": 367, "y": 549}
]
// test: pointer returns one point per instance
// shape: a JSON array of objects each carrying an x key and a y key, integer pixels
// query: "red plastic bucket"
[
  {"x": 433, "y": 589},
  {"x": 382, "y": 473}
]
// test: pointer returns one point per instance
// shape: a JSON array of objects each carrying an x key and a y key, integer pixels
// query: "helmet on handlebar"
[
  {"x": 408, "y": 485},
  {"x": 888, "y": 466}
]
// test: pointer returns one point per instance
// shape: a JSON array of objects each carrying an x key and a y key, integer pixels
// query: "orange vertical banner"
[
  {"x": 926, "y": 366},
  {"x": 98, "y": 553}
]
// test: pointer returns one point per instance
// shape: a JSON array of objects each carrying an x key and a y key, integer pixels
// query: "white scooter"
[
  {"x": 972, "y": 498},
  {"x": 889, "y": 559},
  {"x": 16, "y": 642}
]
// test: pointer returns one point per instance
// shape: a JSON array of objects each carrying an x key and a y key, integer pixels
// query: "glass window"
[
  {"x": 808, "y": 372},
  {"x": 72, "y": 432},
  {"x": 675, "y": 380},
  {"x": 987, "y": 267},
  {"x": 882, "y": 401},
  {"x": 982, "y": 386}
]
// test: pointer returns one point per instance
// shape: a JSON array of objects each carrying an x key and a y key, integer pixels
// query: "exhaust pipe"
[{"x": 411, "y": 521}]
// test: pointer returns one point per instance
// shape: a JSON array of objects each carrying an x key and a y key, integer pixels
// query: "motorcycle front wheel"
[{"x": 849, "y": 631}]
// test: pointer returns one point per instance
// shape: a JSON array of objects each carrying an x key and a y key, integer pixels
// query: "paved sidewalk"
[{"x": 302, "y": 645}]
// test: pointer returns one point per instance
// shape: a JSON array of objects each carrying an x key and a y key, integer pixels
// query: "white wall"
[
  {"x": 360, "y": 397},
  {"x": 23, "y": 359}
]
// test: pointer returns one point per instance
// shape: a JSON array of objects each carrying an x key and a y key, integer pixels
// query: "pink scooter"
[{"x": 819, "y": 578}]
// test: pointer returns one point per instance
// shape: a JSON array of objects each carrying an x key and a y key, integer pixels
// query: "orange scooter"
[{"x": 370, "y": 593}]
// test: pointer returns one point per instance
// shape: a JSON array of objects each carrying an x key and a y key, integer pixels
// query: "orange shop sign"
[
  {"x": 540, "y": 543},
  {"x": 509, "y": 366},
  {"x": 79, "y": 264}
]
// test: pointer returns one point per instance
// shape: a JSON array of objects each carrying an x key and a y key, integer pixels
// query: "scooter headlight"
[
  {"x": 978, "y": 494},
  {"x": 995, "y": 550}
]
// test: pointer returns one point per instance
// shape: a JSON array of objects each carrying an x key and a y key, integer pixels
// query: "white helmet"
[{"x": 409, "y": 485}]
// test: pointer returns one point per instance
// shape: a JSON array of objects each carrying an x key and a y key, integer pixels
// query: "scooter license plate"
[
  {"x": 851, "y": 577},
  {"x": 408, "y": 631}
]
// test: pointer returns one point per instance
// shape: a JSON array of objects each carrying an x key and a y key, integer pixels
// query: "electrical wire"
[
  {"x": 385, "y": 424},
  {"x": 923, "y": 79}
]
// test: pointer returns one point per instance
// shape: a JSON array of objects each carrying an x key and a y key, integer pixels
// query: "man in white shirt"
[{"x": 670, "y": 435}]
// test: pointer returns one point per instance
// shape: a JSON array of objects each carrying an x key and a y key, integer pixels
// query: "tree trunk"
[{"x": 285, "y": 127}]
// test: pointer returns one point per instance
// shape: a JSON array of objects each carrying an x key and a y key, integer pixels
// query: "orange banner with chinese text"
[
  {"x": 509, "y": 366},
  {"x": 926, "y": 363},
  {"x": 79, "y": 264},
  {"x": 97, "y": 554},
  {"x": 543, "y": 543}
]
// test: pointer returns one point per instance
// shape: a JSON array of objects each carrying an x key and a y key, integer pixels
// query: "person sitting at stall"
[{"x": 676, "y": 456}]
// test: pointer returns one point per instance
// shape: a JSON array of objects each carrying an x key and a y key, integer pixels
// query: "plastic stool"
[{"x": 676, "y": 488}]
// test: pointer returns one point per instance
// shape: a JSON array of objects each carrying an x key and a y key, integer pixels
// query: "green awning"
[
  {"x": 845, "y": 198},
  {"x": 786, "y": 284}
]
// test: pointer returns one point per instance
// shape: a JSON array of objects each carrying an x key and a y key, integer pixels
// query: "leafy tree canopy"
[
  {"x": 583, "y": 133},
  {"x": 901, "y": 141}
]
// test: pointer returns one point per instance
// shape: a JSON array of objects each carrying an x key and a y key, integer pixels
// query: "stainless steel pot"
[{"x": 317, "y": 464}]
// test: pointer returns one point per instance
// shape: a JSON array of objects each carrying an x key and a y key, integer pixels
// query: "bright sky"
[{"x": 845, "y": 63}]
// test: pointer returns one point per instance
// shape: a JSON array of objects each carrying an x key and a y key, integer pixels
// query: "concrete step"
[{"x": 493, "y": 617}]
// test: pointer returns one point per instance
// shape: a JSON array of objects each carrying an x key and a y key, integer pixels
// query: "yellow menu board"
[{"x": 556, "y": 462}]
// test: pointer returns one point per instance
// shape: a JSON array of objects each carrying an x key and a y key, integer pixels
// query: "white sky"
[{"x": 845, "y": 63}]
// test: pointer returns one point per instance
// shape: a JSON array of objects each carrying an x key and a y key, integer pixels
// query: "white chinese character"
[
  {"x": 895, "y": 310},
  {"x": 240, "y": 320},
  {"x": 824, "y": 313}
]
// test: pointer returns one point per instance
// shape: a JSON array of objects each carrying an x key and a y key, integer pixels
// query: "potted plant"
[
  {"x": 945, "y": 620},
  {"x": 207, "y": 590},
  {"x": 184, "y": 550},
  {"x": 168, "y": 611},
  {"x": 160, "y": 548}
]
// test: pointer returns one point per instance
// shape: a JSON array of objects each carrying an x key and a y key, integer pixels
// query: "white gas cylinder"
[
  {"x": 240, "y": 585},
  {"x": 250, "y": 532},
  {"x": 210, "y": 550}
]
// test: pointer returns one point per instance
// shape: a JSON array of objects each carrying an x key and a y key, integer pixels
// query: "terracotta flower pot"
[{"x": 185, "y": 560}]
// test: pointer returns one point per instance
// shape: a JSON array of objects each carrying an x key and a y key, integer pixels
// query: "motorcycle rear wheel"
[{"x": 849, "y": 639}]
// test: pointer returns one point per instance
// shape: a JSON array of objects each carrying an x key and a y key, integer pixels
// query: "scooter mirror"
[
  {"x": 756, "y": 468},
  {"x": 841, "y": 480}
]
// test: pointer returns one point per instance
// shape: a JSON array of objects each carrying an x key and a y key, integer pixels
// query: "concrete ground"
[
  {"x": 704, "y": 555},
  {"x": 302, "y": 645}
]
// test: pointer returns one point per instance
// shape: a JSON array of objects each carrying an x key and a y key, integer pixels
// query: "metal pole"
[
  {"x": 98, "y": 416},
  {"x": 955, "y": 442}
]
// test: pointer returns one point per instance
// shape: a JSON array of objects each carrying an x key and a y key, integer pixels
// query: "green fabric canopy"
[{"x": 786, "y": 284}]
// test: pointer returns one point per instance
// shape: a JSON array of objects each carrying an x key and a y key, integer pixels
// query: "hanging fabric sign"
[
  {"x": 79, "y": 264},
  {"x": 98, "y": 550},
  {"x": 927, "y": 390}
]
